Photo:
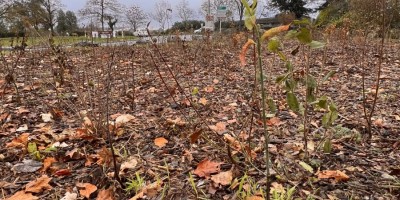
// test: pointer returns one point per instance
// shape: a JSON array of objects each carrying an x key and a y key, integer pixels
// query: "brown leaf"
[
  {"x": 195, "y": 136},
  {"x": 21, "y": 195},
  {"x": 123, "y": 119},
  {"x": 63, "y": 172},
  {"x": 88, "y": 189},
  {"x": 19, "y": 142},
  {"x": 203, "y": 101},
  {"x": 105, "y": 156},
  {"x": 106, "y": 195},
  {"x": 233, "y": 142},
  {"x": 223, "y": 178},
  {"x": 245, "y": 47},
  {"x": 160, "y": 142},
  {"x": 209, "y": 89},
  {"x": 38, "y": 185},
  {"x": 149, "y": 190},
  {"x": 336, "y": 174},
  {"x": 219, "y": 127},
  {"x": 47, "y": 163},
  {"x": 206, "y": 167},
  {"x": 255, "y": 198},
  {"x": 275, "y": 121},
  {"x": 178, "y": 121},
  {"x": 274, "y": 31}
]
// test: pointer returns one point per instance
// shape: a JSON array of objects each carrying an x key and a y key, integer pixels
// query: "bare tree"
[
  {"x": 136, "y": 16},
  {"x": 50, "y": 8},
  {"x": 184, "y": 11},
  {"x": 5, "y": 6},
  {"x": 162, "y": 12},
  {"x": 101, "y": 9}
]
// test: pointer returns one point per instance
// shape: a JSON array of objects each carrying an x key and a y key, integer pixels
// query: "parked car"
[{"x": 197, "y": 30}]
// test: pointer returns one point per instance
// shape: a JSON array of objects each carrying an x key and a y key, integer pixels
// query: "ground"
[{"x": 180, "y": 115}]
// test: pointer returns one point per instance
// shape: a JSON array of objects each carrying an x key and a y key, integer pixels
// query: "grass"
[{"x": 60, "y": 40}]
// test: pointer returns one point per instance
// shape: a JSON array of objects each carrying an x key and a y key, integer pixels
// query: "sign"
[
  {"x": 221, "y": 12},
  {"x": 209, "y": 18}
]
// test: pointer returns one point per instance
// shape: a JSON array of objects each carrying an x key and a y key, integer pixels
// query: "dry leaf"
[
  {"x": 130, "y": 164},
  {"x": 22, "y": 128},
  {"x": 21, "y": 195},
  {"x": 160, "y": 142},
  {"x": 220, "y": 127},
  {"x": 178, "y": 121},
  {"x": 255, "y": 198},
  {"x": 233, "y": 142},
  {"x": 379, "y": 123},
  {"x": 149, "y": 190},
  {"x": 123, "y": 119},
  {"x": 70, "y": 196},
  {"x": 88, "y": 189},
  {"x": 206, "y": 167},
  {"x": 47, "y": 163},
  {"x": 275, "y": 121},
  {"x": 47, "y": 117},
  {"x": 245, "y": 47},
  {"x": 195, "y": 136},
  {"x": 105, "y": 156},
  {"x": 106, "y": 195},
  {"x": 223, "y": 178},
  {"x": 209, "y": 89},
  {"x": 274, "y": 31},
  {"x": 38, "y": 185},
  {"x": 19, "y": 142},
  {"x": 336, "y": 174},
  {"x": 203, "y": 101},
  {"x": 277, "y": 187}
]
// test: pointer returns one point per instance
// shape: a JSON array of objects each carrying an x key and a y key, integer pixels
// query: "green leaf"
[
  {"x": 282, "y": 56},
  {"x": 291, "y": 34},
  {"x": 329, "y": 75},
  {"x": 332, "y": 107},
  {"x": 325, "y": 119},
  {"x": 328, "y": 146},
  {"x": 250, "y": 22},
  {"x": 304, "y": 36},
  {"x": 272, "y": 106},
  {"x": 292, "y": 101},
  {"x": 306, "y": 166},
  {"x": 311, "y": 82},
  {"x": 303, "y": 21},
  {"x": 281, "y": 78},
  {"x": 290, "y": 193},
  {"x": 316, "y": 44},
  {"x": 195, "y": 91},
  {"x": 289, "y": 66},
  {"x": 32, "y": 147},
  {"x": 323, "y": 102},
  {"x": 273, "y": 45}
]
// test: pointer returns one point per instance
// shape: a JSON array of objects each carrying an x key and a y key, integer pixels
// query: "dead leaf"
[
  {"x": 277, "y": 188},
  {"x": 275, "y": 121},
  {"x": 206, "y": 167},
  {"x": 336, "y": 174},
  {"x": 106, "y": 195},
  {"x": 379, "y": 123},
  {"x": 245, "y": 47},
  {"x": 219, "y": 127},
  {"x": 70, "y": 196},
  {"x": 63, "y": 172},
  {"x": 195, "y": 136},
  {"x": 19, "y": 142},
  {"x": 22, "y": 128},
  {"x": 149, "y": 190},
  {"x": 27, "y": 166},
  {"x": 255, "y": 198},
  {"x": 38, "y": 185},
  {"x": 123, "y": 119},
  {"x": 130, "y": 164},
  {"x": 203, "y": 101},
  {"x": 21, "y": 195},
  {"x": 223, "y": 178},
  {"x": 47, "y": 163},
  {"x": 105, "y": 156},
  {"x": 160, "y": 142},
  {"x": 274, "y": 31},
  {"x": 209, "y": 89},
  {"x": 233, "y": 142},
  {"x": 178, "y": 122},
  {"x": 47, "y": 117},
  {"x": 88, "y": 189}
]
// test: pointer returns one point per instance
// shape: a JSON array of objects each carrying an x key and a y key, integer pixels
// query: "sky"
[{"x": 146, "y": 5}]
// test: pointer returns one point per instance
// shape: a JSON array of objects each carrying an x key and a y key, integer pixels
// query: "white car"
[
  {"x": 140, "y": 33},
  {"x": 197, "y": 30}
]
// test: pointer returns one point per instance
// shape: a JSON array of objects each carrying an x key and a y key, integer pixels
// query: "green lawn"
[{"x": 62, "y": 40}]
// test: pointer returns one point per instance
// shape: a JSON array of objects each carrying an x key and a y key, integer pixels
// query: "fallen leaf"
[
  {"x": 38, "y": 185},
  {"x": 203, "y": 101},
  {"x": 47, "y": 163},
  {"x": 275, "y": 121},
  {"x": 219, "y": 127},
  {"x": 70, "y": 196},
  {"x": 19, "y": 142},
  {"x": 47, "y": 117},
  {"x": 22, "y": 128},
  {"x": 233, "y": 142},
  {"x": 105, "y": 156},
  {"x": 306, "y": 166},
  {"x": 379, "y": 123},
  {"x": 397, "y": 117},
  {"x": 21, "y": 195},
  {"x": 150, "y": 190},
  {"x": 276, "y": 187},
  {"x": 336, "y": 174},
  {"x": 209, "y": 89},
  {"x": 63, "y": 172},
  {"x": 206, "y": 167},
  {"x": 255, "y": 198},
  {"x": 223, "y": 178},
  {"x": 195, "y": 136},
  {"x": 27, "y": 166},
  {"x": 130, "y": 164},
  {"x": 178, "y": 122},
  {"x": 88, "y": 189},
  {"x": 123, "y": 119},
  {"x": 106, "y": 195},
  {"x": 160, "y": 142}
]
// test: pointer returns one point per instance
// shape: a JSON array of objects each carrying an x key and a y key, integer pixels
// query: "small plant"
[
  {"x": 284, "y": 195},
  {"x": 135, "y": 184}
]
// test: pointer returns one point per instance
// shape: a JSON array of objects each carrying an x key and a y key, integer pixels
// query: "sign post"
[{"x": 221, "y": 14}]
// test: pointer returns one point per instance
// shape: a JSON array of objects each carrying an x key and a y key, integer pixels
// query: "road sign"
[{"x": 221, "y": 12}]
